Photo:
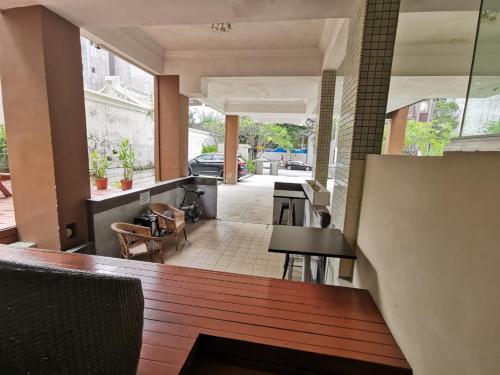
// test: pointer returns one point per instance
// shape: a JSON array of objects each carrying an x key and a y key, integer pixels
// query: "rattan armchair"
[
  {"x": 136, "y": 240},
  {"x": 60, "y": 321},
  {"x": 175, "y": 224}
]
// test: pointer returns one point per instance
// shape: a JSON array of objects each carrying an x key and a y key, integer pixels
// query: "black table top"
[
  {"x": 325, "y": 242},
  {"x": 289, "y": 194}
]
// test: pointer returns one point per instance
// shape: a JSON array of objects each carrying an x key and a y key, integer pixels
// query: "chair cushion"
[
  {"x": 169, "y": 214},
  {"x": 137, "y": 248}
]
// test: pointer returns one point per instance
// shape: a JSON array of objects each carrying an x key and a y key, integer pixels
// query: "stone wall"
[{"x": 110, "y": 119}]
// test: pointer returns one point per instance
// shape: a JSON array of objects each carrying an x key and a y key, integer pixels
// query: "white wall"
[
  {"x": 429, "y": 253},
  {"x": 196, "y": 140}
]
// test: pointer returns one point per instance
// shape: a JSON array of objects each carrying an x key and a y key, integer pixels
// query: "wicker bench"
[{"x": 59, "y": 321}]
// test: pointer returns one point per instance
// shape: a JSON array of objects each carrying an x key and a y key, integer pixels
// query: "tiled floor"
[
  {"x": 227, "y": 246},
  {"x": 251, "y": 199}
]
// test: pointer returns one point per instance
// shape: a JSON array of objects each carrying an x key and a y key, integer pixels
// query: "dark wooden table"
[
  {"x": 340, "y": 325},
  {"x": 307, "y": 241},
  {"x": 290, "y": 195}
]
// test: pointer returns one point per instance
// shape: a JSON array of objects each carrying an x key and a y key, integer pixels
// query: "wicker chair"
[
  {"x": 136, "y": 240},
  {"x": 175, "y": 224},
  {"x": 59, "y": 321}
]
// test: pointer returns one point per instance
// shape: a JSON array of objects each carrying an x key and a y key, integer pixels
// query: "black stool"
[{"x": 286, "y": 206}]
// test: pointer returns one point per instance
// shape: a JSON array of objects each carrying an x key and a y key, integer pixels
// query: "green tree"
[
  {"x": 493, "y": 127},
  {"x": 212, "y": 123},
  {"x": 419, "y": 138},
  {"x": 446, "y": 112},
  {"x": 263, "y": 135}
]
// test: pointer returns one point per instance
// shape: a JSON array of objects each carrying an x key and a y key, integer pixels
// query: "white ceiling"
[
  {"x": 272, "y": 59},
  {"x": 243, "y": 35}
]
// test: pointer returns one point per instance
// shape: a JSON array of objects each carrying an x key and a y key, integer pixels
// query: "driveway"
[{"x": 251, "y": 199}]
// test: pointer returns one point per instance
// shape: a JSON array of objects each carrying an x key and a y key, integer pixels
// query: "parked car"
[
  {"x": 295, "y": 164},
  {"x": 213, "y": 165},
  {"x": 266, "y": 163}
]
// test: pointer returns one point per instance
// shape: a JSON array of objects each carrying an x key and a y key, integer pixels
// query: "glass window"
[
  {"x": 218, "y": 157},
  {"x": 482, "y": 109},
  {"x": 205, "y": 157}
]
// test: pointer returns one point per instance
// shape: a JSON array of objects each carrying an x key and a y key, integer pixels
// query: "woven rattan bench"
[{"x": 59, "y": 321}]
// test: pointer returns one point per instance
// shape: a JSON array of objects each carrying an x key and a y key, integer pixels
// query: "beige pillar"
[
  {"x": 368, "y": 63},
  {"x": 42, "y": 86},
  {"x": 171, "y": 129},
  {"x": 324, "y": 126},
  {"x": 231, "y": 142},
  {"x": 395, "y": 141}
]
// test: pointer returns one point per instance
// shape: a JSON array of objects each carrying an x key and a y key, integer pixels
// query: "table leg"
[
  {"x": 4, "y": 190},
  {"x": 290, "y": 212},
  {"x": 306, "y": 268}
]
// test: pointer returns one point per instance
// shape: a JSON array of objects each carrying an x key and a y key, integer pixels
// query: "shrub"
[
  {"x": 250, "y": 166},
  {"x": 209, "y": 149}
]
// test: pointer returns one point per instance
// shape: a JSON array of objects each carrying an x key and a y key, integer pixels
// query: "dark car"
[
  {"x": 213, "y": 165},
  {"x": 295, "y": 164}
]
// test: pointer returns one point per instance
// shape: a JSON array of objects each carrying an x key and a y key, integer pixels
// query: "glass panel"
[{"x": 482, "y": 112}]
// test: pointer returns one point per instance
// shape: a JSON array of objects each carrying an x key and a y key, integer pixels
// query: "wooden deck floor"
[
  {"x": 181, "y": 303},
  {"x": 7, "y": 219}
]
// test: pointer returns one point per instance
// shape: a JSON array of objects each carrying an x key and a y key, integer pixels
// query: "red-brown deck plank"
[{"x": 181, "y": 303}]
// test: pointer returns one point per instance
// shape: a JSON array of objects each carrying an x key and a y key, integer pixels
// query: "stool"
[{"x": 286, "y": 206}]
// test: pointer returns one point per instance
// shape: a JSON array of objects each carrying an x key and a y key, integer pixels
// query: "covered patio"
[{"x": 374, "y": 243}]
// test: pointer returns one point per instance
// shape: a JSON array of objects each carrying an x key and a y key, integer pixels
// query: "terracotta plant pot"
[
  {"x": 126, "y": 184},
  {"x": 101, "y": 183}
]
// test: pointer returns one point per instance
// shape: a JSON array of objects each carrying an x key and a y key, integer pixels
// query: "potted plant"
[
  {"x": 99, "y": 166},
  {"x": 126, "y": 155}
]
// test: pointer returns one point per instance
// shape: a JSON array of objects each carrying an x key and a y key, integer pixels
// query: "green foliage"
[
  {"x": 99, "y": 163},
  {"x": 126, "y": 155},
  {"x": 446, "y": 112},
  {"x": 264, "y": 135},
  {"x": 209, "y": 149},
  {"x": 430, "y": 138},
  {"x": 212, "y": 123},
  {"x": 493, "y": 127},
  {"x": 422, "y": 138},
  {"x": 4, "y": 159},
  {"x": 272, "y": 135},
  {"x": 250, "y": 166}
]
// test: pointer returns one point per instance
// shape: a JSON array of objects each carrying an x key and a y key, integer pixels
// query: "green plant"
[
  {"x": 209, "y": 149},
  {"x": 250, "y": 166},
  {"x": 99, "y": 164},
  {"x": 127, "y": 158},
  {"x": 4, "y": 159}
]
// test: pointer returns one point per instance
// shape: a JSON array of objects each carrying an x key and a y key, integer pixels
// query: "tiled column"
[
  {"x": 231, "y": 141},
  {"x": 395, "y": 141},
  {"x": 368, "y": 64},
  {"x": 41, "y": 70},
  {"x": 171, "y": 127},
  {"x": 324, "y": 128}
]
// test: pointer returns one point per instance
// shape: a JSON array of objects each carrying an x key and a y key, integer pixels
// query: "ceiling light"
[{"x": 221, "y": 27}]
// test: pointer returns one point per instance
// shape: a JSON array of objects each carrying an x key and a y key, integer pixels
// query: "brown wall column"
[
  {"x": 42, "y": 86},
  {"x": 395, "y": 142},
  {"x": 231, "y": 142},
  {"x": 171, "y": 129}
]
